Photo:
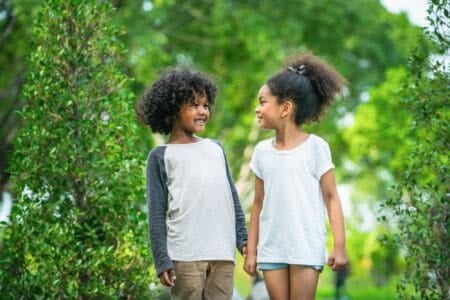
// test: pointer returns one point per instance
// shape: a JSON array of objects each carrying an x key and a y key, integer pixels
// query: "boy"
[{"x": 195, "y": 216}]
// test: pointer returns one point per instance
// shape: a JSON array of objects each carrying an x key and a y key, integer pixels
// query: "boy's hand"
[
  {"x": 250, "y": 264},
  {"x": 337, "y": 259},
  {"x": 244, "y": 251},
  {"x": 168, "y": 277}
]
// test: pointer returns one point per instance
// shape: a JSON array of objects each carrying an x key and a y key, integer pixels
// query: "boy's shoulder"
[
  {"x": 158, "y": 149},
  {"x": 157, "y": 152},
  {"x": 216, "y": 141}
]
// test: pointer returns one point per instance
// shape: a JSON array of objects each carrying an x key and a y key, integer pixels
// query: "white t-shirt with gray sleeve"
[
  {"x": 194, "y": 209},
  {"x": 292, "y": 220}
]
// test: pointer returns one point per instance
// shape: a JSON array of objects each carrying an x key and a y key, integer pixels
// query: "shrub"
[{"x": 76, "y": 229}]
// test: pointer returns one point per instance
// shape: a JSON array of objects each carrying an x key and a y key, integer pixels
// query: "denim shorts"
[{"x": 276, "y": 266}]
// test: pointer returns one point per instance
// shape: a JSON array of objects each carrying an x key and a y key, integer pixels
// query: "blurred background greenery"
[{"x": 242, "y": 43}]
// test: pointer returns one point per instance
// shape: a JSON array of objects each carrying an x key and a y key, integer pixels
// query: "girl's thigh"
[
  {"x": 303, "y": 282},
  {"x": 277, "y": 283}
]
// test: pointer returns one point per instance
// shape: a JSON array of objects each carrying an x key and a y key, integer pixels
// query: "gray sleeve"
[
  {"x": 157, "y": 208},
  {"x": 241, "y": 228}
]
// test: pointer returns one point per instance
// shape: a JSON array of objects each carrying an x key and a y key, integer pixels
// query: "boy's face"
[{"x": 193, "y": 115}]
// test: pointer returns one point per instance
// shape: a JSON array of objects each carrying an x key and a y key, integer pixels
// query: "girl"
[
  {"x": 196, "y": 220},
  {"x": 294, "y": 183}
]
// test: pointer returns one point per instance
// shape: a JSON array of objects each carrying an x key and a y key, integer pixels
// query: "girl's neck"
[
  {"x": 182, "y": 137},
  {"x": 289, "y": 137}
]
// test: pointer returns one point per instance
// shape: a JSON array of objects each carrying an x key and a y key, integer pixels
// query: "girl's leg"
[
  {"x": 303, "y": 282},
  {"x": 277, "y": 283}
]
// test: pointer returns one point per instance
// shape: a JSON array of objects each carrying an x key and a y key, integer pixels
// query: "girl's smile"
[{"x": 268, "y": 109}]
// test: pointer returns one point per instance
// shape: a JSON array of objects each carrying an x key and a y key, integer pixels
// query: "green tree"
[
  {"x": 14, "y": 34},
  {"x": 76, "y": 229},
  {"x": 420, "y": 206},
  {"x": 378, "y": 139},
  {"x": 243, "y": 42}
]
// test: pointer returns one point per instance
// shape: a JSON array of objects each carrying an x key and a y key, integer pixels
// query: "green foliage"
[
  {"x": 420, "y": 206},
  {"x": 239, "y": 43},
  {"x": 371, "y": 262},
  {"x": 76, "y": 229},
  {"x": 14, "y": 36},
  {"x": 379, "y": 138}
]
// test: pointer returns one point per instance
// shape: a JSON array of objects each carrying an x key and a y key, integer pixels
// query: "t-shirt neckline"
[
  {"x": 288, "y": 151},
  {"x": 201, "y": 140}
]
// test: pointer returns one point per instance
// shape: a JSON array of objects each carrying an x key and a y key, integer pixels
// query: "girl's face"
[
  {"x": 268, "y": 111},
  {"x": 193, "y": 116}
]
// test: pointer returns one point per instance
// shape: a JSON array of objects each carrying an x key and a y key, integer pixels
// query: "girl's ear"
[{"x": 287, "y": 108}]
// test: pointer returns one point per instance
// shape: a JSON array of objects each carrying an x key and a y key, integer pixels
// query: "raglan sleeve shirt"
[
  {"x": 241, "y": 229},
  {"x": 157, "y": 203}
]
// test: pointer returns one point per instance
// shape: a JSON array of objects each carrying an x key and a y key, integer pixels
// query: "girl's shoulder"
[
  {"x": 263, "y": 146},
  {"x": 317, "y": 140},
  {"x": 267, "y": 143}
]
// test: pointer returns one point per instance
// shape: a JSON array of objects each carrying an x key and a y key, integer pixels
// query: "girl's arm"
[
  {"x": 250, "y": 258},
  {"x": 338, "y": 256}
]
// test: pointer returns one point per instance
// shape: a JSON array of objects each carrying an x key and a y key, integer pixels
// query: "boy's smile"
[{"x": 193, "y": 116}]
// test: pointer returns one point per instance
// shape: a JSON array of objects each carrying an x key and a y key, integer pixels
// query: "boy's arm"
[
  {"x": 338, "y": 257},
  {"x": 241, "y": 229},
  {"x": 157, "y": 208}
]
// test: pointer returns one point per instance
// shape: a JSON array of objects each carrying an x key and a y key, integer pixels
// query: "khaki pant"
[{"x": 203, "y": 280}]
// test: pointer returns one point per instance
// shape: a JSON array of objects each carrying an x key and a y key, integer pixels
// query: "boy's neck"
[{"x": 182, "y": 138}]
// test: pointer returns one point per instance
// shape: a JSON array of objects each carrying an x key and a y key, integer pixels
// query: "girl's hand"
[
  {"x": 168, "y": 277},
  {"x": 337, "y": 259},
  {"x": 250, "y": 264}
]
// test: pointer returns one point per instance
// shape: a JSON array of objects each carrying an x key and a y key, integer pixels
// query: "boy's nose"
[{"x": 203, "y": 110}]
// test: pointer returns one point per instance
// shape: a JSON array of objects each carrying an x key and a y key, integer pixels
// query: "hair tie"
[{"x": 300, "y": 70}]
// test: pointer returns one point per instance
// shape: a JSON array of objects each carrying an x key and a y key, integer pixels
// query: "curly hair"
[
  {"x": 160, "y": 105},
  {"x": 310, "y": 83}
]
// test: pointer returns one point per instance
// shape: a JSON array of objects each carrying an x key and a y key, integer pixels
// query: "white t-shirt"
[
  {"x": 200, "y": 215},
  {"x": 292, "y": 220}
]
